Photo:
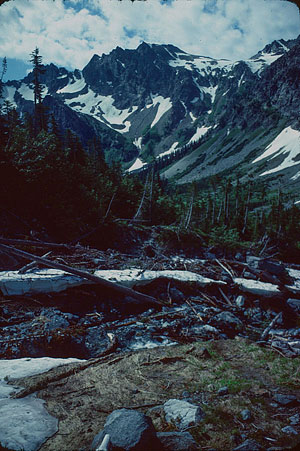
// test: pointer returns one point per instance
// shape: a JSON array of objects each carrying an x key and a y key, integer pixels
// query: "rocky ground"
[{"x": 232, "y": 349}]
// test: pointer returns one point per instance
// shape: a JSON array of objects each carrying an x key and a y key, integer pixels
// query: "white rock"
[{"x": 183, "y": 413}]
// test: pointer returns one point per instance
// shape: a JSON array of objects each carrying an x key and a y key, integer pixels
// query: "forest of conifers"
[{"x": 53, "y": 185}]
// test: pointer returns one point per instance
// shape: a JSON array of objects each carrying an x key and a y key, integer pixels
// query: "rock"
[
  {"x": 289, "y": 430},
  {"x": 227, "y": 321},
  {"x": 248, "y": 445},
  {"x": 55, "y": 319},
  {"x": 240, "y": 301},
  {"x": 239, "y": 257},
  {"x": 274, "y": 268},
  {"x": 223, "y": 391},
  {"x": 128, "y": 430},
  {"x": 205, "y": 332},
  {"x": 252, "y": 261},
  {"x": 246, "y": 415},
  {"x": 285, "y": 400},
  {"x": 183, "y": 413},
  {"x": 176, "y": 295},
  {"x": 177, "y": 441},
  {"x": 294, "y": 304},
  {"x": 295, "y": 419}
]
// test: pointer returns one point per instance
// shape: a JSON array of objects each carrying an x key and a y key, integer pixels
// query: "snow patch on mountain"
[
  {"x": 26, "y": 92},
  {"x": 138, "y": 164},
  {"x": 8, "y": 94},
  {"x": 258, "y": 64},
  {"x": 192, "y": 117},
  {"x": 171, "y": 150},
  {"x": 199, "y": 132},
  {"x": 102, "y": 108},
  {"x": 138, "y": 142},
  {"x": 202, "y": 64},
  {"x": 163, "y": 106},
  {"x": 211, "y": 90},
  {"x": 73, "y": 87},
  {"x": 286, "y": 144}
]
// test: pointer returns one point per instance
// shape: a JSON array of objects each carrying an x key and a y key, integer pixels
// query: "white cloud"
[{"x": 69, "y": 33}]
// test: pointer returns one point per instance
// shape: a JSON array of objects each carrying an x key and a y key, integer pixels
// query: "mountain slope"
[{"x": 158, "y": 99}]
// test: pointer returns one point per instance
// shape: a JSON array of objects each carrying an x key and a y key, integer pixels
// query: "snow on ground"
[
  {"x": 70, "y": 88},
  {"x": 163, "y": 106},
  {"x": 54, "y": 280},
  {"x": 192, "y": 117},
  {"x": 138, "y": 164},
  {"x": 201, "y": 63},
  {"x": 211, "y": 90},
  {"x": 138, "y": 142},
  {"x": 258, "y": 64},
  {"x": 26, "y": 92},
  {"x": 257, "y": 287},
  {"x": 8, "y": 94},
  {"x": 25, "y": 424},
  {"x": 199, "y": 132},
  {"x": 171, "y": 150},
  {"x": 287, "y": 144},
  {"x": 296, "y": 176},
  {"x": 102, "y": 108},
  {"x": 112, "y": 114}
]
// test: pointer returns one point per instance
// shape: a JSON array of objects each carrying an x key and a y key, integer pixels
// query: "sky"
[{"x": 69, "y": 32}]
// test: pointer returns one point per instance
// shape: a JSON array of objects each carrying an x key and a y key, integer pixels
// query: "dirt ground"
[{"x": 82, "y": 395}]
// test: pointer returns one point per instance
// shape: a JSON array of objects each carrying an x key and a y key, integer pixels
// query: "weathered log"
[
  {"x": 43, "y": 244},
  {"x": 85, "y": 275}
]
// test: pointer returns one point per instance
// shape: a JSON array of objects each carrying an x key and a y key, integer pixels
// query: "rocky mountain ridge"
[{"x": 157, "y": 99}]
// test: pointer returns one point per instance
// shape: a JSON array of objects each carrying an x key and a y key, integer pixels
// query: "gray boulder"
[
  {"x": 177, "y": 441},
  {"x": 294, "y": 304},
  {"x": 128, "y": 430},
  {"x": 285, "y": 400},
  {"x": 182, "y": 413},
  {"x": 227, "y": 322}
]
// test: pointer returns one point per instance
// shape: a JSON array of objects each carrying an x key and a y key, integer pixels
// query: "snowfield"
[{"x": 286, "y": 144}]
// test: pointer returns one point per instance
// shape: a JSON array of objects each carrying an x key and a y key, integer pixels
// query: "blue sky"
[{"x": 69, "y": 32}]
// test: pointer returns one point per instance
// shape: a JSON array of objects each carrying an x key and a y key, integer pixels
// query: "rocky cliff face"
[{"x": 152, "y": 101}]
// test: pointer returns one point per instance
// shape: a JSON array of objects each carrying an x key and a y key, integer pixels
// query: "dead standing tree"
[{"x": 145, "y": 206}]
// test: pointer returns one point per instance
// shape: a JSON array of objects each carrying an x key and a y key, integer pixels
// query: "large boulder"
[{"x": 128, "y": 430}]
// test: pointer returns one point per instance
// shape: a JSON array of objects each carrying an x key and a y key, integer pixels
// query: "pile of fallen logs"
[{"x": 199, "y": 299}]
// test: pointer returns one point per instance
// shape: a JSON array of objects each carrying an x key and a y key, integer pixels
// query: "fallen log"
[
  {"x": 85, "y": 275},
  {"x": 42, "y": 244}
]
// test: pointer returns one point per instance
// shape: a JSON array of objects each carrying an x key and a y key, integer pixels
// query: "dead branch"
[
  {"x": 32, "y": 264},
  {"x": 85, "y": 275},
  {"x": 66, "y": 372},
  {"x": 267, "y": 329}
]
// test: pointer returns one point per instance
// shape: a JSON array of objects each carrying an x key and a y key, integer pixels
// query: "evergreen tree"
[
  {"x": 39, "y": 113},
  {"x": 4, "y": 69}
]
